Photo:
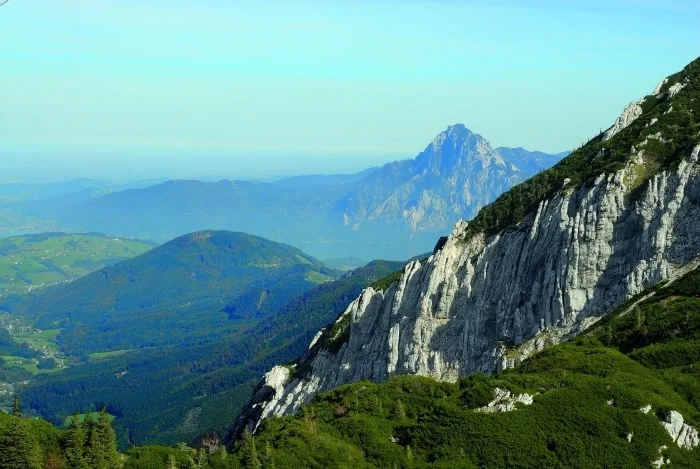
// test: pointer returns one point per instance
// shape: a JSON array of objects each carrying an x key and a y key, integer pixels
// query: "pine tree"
[
  {"x": 16, "y": 407},
  {"x": 400, "y": 410},
  {"x": 74, "y": 444},
  {"x": 172, "y": 464},
  {"x": 269, "y": 462},
  {"x": 108, "y": 442},
  {"x": 249, "y": 452},
  {"x": 17, "y": 449},
  {"x": 202, "y": 462},
  {"x": 93, "y": 451},
  {"x": 219, "y": 459}
]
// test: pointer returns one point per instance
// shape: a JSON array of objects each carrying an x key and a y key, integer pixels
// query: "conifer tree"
[
  {"x": 17, "y": 448},
  {"x": 74, "y": 444},
  {"x": 400, "y": 410},
  {"x": 172, "y": 464},
  {"x": 93, "y": 451},
  {"x": 108, "y": 441},
  {"x": 16, "y": 407},
  {"x": 202, "y": 462},
  {"x": 249, "y": 452},
  {"x": 269, "y": 462}
]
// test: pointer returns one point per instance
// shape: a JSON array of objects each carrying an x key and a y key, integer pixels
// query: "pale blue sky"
[{"x": 323, "y": 78}]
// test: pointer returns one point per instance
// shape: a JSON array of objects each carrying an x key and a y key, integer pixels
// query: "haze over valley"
[{"x": 374, "y": 235}]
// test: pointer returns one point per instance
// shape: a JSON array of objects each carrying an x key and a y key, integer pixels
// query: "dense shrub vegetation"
[{"x": 647, "y": 356}]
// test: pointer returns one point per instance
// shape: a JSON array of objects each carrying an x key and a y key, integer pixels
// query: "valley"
[
  {"x": 286, "y": 235},
  {"x": 248, "y": 303}
]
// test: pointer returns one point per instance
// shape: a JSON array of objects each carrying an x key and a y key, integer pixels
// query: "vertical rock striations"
[{"x": 486, "y": 302}]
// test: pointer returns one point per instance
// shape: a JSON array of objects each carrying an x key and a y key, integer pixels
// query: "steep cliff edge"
[{"x": 541, "y": 264}]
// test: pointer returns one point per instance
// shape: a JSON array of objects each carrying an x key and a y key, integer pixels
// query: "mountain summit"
[
  {"x": 544, "y": 262},
  {"x": 452, "y": 178}
]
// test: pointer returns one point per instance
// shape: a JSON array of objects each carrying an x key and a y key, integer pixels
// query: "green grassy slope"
[
  {"x": 31, "y": 261},
  {"x": 587, "y": 400}
]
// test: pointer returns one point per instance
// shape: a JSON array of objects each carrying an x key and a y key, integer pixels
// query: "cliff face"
[{"x": 483, "y": 303}]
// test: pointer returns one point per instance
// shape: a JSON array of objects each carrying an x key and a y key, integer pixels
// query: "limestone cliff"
[{"x": 486, "y": 301}]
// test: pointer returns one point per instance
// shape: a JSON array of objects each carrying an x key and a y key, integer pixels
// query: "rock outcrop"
[
  {"x": 505, "y": 401},
  {"x": 486, "y": 302},
  {"x": 631, "y": 112},
  {"x": 681, "y": 433}
]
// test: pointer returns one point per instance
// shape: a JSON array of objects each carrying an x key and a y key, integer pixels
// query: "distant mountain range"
[
  {"x": 24, "y": 190},
  {"x": 321, "y": 180},
  {"x": 390, "y": 212}
]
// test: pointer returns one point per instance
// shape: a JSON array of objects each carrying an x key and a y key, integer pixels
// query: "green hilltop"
[{"x": 174, "y": 340}]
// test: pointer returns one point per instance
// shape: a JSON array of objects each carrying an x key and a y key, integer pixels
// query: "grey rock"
[
  {"x": 505, "y": 401},
  {"x": 629, "y": 115},
  {"x": 485, "y": 304},
  {"x": 457, "y": 174},
  {"x": 681, "y": 433}
]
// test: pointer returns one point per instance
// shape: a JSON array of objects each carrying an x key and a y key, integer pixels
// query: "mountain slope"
[
  {"x": 530, "y": 162},
  {"x": 542, "y": 263},
  {"x": 187, "y": 289},
  {"x": 627, "y": 394},
  {"x": 313, "y": 181},
  {"x": 457, "y": 174},
  {"x": 31, "y": 261},
  {"x": 176, "y": 393}
]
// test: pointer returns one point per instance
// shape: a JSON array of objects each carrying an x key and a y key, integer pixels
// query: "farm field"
[{"x": 33, "y": 261}]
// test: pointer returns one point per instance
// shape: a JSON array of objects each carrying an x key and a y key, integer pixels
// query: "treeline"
[{"x": 88, "y": 443}]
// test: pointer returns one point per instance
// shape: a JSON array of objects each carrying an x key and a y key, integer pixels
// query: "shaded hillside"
[
  {"x": 186, "y": 290},
  {"x": 176, "y": 393}
]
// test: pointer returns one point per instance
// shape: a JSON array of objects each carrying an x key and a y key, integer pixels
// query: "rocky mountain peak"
[
  {"x": 455, "y": 149},
  {"x": 453, "y": 177},
  {"x": 538, "y": 266}
]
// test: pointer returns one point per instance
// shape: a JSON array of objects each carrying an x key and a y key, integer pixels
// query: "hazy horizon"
[
  {"x": 316, "y": 87},
  {"x": 64, "y": 163}
]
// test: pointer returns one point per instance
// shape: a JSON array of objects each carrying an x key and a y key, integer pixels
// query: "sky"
[{"x": 254, "y": 89}]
